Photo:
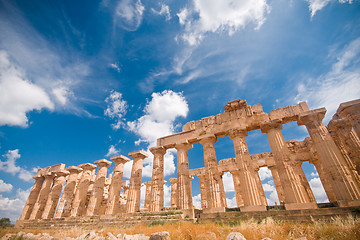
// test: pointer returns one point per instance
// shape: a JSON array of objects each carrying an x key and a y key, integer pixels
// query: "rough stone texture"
[
  {"x": 157, "y": 187},
  {"x": 160, "y": 236},
  {"x": 206, "y": 236},
  {"x": 235, "y": 236}
]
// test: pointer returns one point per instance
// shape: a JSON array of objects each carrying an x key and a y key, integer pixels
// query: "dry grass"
[{"x": 338, "y": 228}]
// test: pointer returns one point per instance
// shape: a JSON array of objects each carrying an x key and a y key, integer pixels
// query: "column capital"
[
  {"x": 173, "y": 180},
  {"x": 238, "y": 132},
  {"x": 184, "y": 145},
  {"x": 73, "y": 169},
  {"x": 147, "y": 184},
  {"x": 87, "y": 166},
  {"x": 49, "y": 175},
  {"x": 158, "y": 150},
  {"x": 274, "y": 124},
  {"x": 120, "y": 159},
  {"x": 62, "y": 173},
  {"x": 341, "y": 123},
  {"x": 138, "y": 155},
  {"x": 316, "y": 115},
  {"x": 103, "y": 163},
  {"x": 37, "y": 177},
  {"x": 352, "y": 107},
  {"x": 207, "y": 139}
]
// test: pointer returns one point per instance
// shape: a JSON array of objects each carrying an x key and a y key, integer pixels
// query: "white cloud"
[
  {"x": 340, "y": 84},
  {"x": 128, "y": 14},
  {"x": 127, "y": 169},
  {"x": 318, "y": 190},
  {"x": 220, "y": 16},
  {"x": 9, "y": 165},
  {"x": 62, "y": 94},
  {"x": 116, "y": 109},
  {"x": 167, "y": 195},
  {"x": 231, "y": 202},
  {"x": 112, "y": 151},
  {"x": 5, "y": 187},
  {"x": 264, "y": 173},
  {"x": 228, "y": 182},
  {"x": 317, "y": 5},
  {"x": 12, "y": 208},
  {"x": 314, "y": 174},
  {"x": 197, "y": 200},
  {"x": 18, "y": 95},
  {"x": 115, "y": 66},
  {"x": 273, "y": 198},
  {"x": 268, "y": 188},
  {"x": 165, "y": 11}
]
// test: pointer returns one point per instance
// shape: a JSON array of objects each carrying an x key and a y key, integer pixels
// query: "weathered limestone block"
[
  {"x": 42, "y": 197},
  {"x": 215, "y": 201},
  {"x": 147, "y": 194},
  {"x": 343, "y": 181},
  {"x": 157, "y": 188},
  {"x": 237, "y": 187},
  {"x": 54, "y": 195},
  {"x": 79, "y": 202},
  {"x": 295, "y": 194},
  {"x": 64, "y": 207},
  {"x": 173, "y": 200},
  {"x": 351, "y": 111},
  {"x": 288, "y": 113},
  {"x": 184, "y": 198},
  {"x": 113, "y": 205},
  {"x": 250, "y": 193},
  {"x": 133, "y": 198},
  {"x": 98, "y": 191},
  {"x": 34, "y": 193},
  {"x": 203, "y": 190}
]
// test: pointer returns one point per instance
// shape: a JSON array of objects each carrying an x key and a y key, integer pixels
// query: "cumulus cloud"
[
  {"x": 116, "y": 109},
  {"x": 5, "y": 187},
  {"x": 12, "y": 208},
  {"x": 231, "y": 202},
  {"x": 115, "y": 66},
  {"x": 318, "y": 190},
  {"x": 317, "y": 5},
  {"x": 62, "y": 94},
  {"x": 220, "y": 16},
  {"x": 340, "y": 84},
  {"x": 228, "y": 182},
  {"x": 10, "y": 166},
  {"x": 112, "y": 151},
  {"x": 264, "y": 173},
  {"x": 197, "y": 200},
  {"x": 164, "y": 11},
  {"x": 18, "y": 96},
  {"x": 128, "y": 14}
]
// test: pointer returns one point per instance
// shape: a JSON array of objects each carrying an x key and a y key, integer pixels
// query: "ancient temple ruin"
[{"x": 333, "y": 149}]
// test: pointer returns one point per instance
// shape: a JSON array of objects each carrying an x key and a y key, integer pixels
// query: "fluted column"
[
  {"x": 344, "y": 184},
  {"x": 42, "y": 197},
  {"x": 64, "y": 207},
  {"x": 173, "y": 200},
  {"x": 277, "y": 182},
  {"x": 222, "y": 190},
  {"x": 295, "y": 194},
  {"x": 237, "y": 187},
  {"x": 184, "y": 198},
  {"x": 33, "y": 196},
  {"x": 147, "y": 195},
  {"x": 214, "y": 197},
  {"x": 133, "y": 198},
  {"x": 249, "y": 190},
  {"x": 259, "y": 186},
  {"x": 351, "y": 111},
  {"x": 203, "y": 191},
  {"x": 157, "y": 188},
  {"x": 79, "y": 202},
  {"x": 300, "y": 172},
  {"x": 54, "y": 195},
  {"x": 96, "y": 196},
  {"x": 113, "y": 204}
]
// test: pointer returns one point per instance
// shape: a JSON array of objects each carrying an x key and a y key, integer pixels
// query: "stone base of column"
[
  {"x": 214, "y": 210},
  {"x": 260, "y": 208},
  {"x": 188, "y": 213},
  {"x": 300, "y": 206},
  {"x": 353, "y": 203}
]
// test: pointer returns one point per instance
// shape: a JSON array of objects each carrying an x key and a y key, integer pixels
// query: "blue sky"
[{"x": 82, "y": 81}]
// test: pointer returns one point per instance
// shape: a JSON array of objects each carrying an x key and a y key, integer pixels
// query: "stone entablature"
[{"x": 334, "y": 150}]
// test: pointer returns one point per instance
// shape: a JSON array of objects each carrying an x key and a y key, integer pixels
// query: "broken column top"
[
  {"x": 120, "y": 159},
  {"x": 138, "y": 154},
  {"x": 73, "y": 169},
  {"x": 87, "y": 166},
  {"x": 312, "y": 115},
  {"x": 103, "y": 163},
  {"x": 348, "y": 106},
  {"x": 57, "y": 167}
]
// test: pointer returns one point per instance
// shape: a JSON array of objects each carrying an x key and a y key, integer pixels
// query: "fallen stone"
[
  {"x": 110, "y": 236},
  {"x": 7, "y": 236},
  {"x": 135, "y": 237},
  {"x": 160, "y": 236},
  {"x": 206, "y": 236},
  {"x": 235, "y": 236}
]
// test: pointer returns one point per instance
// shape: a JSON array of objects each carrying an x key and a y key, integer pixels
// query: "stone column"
[
  {"x": 295, "y": 194},
  {"x": 237, "y": 186},
  {"x": 42, "y": 197},
  {"x": 348, "y": 142},
  {"x": 173, "y": 201},
  {"x": 259, "y": 186},
  {"x": 212, "y": 177},
  {"x": 300, "y": 172},
  {"x": 351, "y": 111},
  {"x": 33, "y": 196},
  {"x": 203, "y": 191},
  {"x": 96, "y": 196},
  {"x": 157, "y": 188},
  {"x": 113, "y": 204},
  {"x": 147, "y": 195},
  {"x": 184, "y": 198},
  {"x": 133, "y": 198},
  {"x": 249, "y": 189},
  {"x": 64, "y": 208},
  {"x": 222, "y": 190},
  {"x": 79, "y": 202},
  {"x": 277, "y": 182},
  {"x": 344, "y": 184},
  {"x": 54, "y": 195}
]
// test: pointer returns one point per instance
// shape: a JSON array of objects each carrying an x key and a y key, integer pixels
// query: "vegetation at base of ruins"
[
  {"x": 232, "y": 209},
  {"x": 5, "y": 222},
  {"x": 356, "y": 209},
  {"x": 336, "y": 228}
]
